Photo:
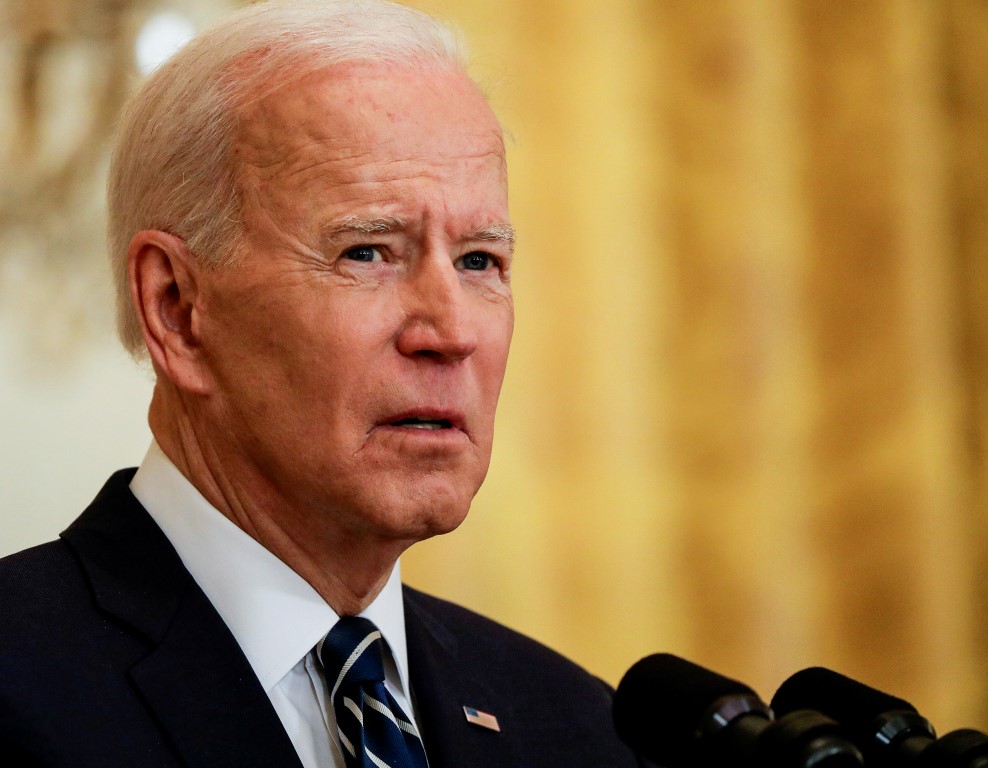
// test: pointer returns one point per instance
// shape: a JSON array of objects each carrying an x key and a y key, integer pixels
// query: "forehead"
[{"x": 363, "y": 121}]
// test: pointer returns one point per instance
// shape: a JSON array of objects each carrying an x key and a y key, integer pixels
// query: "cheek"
[
  {"x": 494, "y": 357},
  {"x": 500, "y": 328},
  {"x": 330, "y": 324},
  {"x": 338, "y": 358}
]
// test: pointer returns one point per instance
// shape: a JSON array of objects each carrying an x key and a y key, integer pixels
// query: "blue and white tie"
[{"x": 374, "y": 732}]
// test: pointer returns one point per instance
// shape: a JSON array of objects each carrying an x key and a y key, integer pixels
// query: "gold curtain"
[{"x": 746, "y": 416}]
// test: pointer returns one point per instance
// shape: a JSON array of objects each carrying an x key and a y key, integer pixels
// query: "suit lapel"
[
  {"x": 206, "y": 695},
  {"x": 441, "y": 687},
  {"x": 195, "y": 679}
]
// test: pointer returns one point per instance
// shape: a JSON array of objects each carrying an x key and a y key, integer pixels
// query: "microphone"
[
  {"x": 682, "y": 715},
  {"x": 888, "y": 730}
]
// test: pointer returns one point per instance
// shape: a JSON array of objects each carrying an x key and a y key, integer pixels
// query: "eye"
[
  {"x": 363, "y": 253},
  {"x": 477, "y": 260}
]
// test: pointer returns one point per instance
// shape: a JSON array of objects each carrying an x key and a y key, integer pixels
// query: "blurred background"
[{"x": 746, "y": 416}]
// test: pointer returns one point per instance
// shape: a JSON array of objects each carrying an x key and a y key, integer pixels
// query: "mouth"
[
  {"x": 425, "y": 432},
  {"x": 415, "y": 422},
  {"x": 425, "y": 420}
]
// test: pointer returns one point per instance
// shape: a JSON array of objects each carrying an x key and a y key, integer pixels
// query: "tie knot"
[{"x": 352, "y": 653}]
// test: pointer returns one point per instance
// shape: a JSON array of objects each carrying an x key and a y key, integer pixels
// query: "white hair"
[{"x": 172, "y": 167}]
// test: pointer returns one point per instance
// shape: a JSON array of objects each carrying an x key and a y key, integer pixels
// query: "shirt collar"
[{"x": 274, "y": 614}]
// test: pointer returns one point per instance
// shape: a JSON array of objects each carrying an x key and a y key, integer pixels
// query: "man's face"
[{"x": 358, "y": 354}]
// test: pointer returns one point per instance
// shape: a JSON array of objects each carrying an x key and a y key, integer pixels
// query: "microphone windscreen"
[
  {"x": 838, "y": 697},
  {"x": 661, "y": 702}
]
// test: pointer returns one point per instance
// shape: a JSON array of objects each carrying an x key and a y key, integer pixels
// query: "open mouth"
[{"x": 417, "y": 423}]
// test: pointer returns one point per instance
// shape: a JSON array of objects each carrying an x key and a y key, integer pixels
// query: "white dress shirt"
[{"x": 275, "y": 615}]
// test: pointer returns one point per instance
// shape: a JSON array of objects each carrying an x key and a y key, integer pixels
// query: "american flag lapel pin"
[{"x": 483, "y": 719}]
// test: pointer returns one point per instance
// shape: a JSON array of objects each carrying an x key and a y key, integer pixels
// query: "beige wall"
[
  {"x": 745, "y": 418},
  {"x": 64, "y": 432}
]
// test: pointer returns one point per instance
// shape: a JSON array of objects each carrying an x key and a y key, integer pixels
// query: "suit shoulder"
[
  {"x": 492, "y": 643},
  {"x": 39, "y": 573},
  {"x": 41, "y": 588},
  {"x": 558, "y": 713}
]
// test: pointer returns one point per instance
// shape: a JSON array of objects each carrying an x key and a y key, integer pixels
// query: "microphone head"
[
  {"x": 661, "y": 703},
  {"x": 888, "y": 730},
  {"x": 838, "y": 697}
]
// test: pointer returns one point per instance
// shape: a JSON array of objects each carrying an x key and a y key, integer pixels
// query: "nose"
[{"x": 440, "y": 318}]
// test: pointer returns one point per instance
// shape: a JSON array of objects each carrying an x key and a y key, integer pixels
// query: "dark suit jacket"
[{"x": 111, "y": 655}]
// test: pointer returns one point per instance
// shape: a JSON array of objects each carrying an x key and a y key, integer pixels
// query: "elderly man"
[{"x": 310, "y": 235}]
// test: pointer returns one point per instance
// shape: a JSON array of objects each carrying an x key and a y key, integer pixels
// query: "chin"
[
  {"x": 446, "y": 522},
  {"x": 424, "y": 512}
]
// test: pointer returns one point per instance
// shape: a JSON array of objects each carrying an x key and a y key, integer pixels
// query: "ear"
[{"x": 163, "y": 275}]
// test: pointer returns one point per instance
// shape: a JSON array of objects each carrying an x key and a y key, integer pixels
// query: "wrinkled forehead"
[{"x": 365, "y": 108}]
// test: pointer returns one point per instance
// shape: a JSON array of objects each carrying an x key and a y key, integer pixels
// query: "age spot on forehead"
[
  {"x": 354, "y": 106},
  {"x": 374, "y": 140}
]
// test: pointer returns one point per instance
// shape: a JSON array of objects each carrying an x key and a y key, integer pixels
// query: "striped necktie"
[{"x": 374, "y": 732}]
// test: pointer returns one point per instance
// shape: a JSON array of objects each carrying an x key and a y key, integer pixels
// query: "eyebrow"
[
  {"x": 364, "y": 226},
  {"x": 496, "y": 233}
]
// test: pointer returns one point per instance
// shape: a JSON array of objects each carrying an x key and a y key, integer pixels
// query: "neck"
[{"x": 347, "y": 569}]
